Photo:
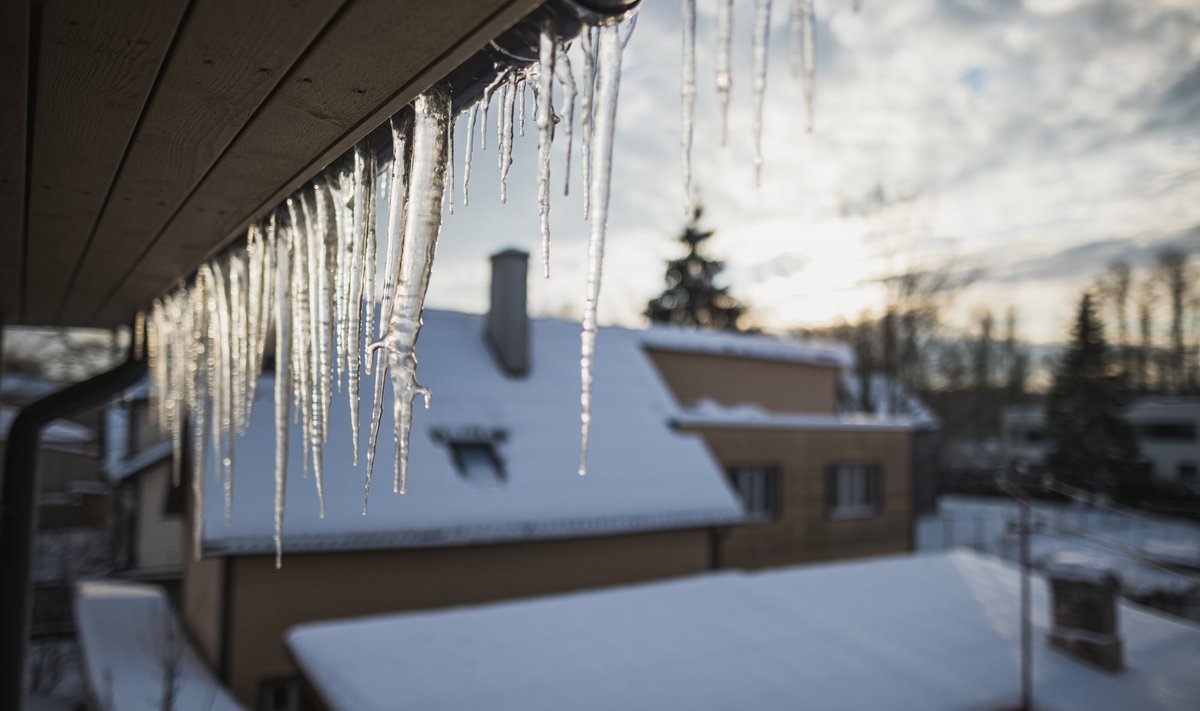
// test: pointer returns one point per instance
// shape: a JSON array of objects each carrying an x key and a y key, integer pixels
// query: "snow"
[
  {"x": 707, "y": 413},
  {"x": 644, "y": 475},
  {"x": 1118, "y": 539},
  {"x": 922, "y": 633},
  {"x": 1079, "y": 566},
  {"x": 128, "y": 633},
  {"x": 669, "y": 337}
]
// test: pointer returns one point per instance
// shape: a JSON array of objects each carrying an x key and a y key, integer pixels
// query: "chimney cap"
[{"x": 510, "y": 252}]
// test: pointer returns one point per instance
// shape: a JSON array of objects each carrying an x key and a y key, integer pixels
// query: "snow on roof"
[
  {"x": 921, "y": 633},
  {"x": 119, "y": 462},
  {"x": 22, "y": 388},
  {"x": 671, "y": 337},
  {"x": 643, "y": 475},
  {"x": 129, "y": 636},
  {"x": 708, "y": 413}
]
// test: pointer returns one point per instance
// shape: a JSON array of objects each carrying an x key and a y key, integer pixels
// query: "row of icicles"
[{"x": 306, "y": 278}]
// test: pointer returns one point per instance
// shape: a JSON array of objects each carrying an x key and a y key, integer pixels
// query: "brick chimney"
[
  {"x": 507, "y": 330},
  {"x": 1084, "y": 601}
]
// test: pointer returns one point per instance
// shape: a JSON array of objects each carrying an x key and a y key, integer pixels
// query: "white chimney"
[{"x": 507, "y": 329}]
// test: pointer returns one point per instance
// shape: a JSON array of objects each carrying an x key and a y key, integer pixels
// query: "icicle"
[
  {"x": 355, "y": 291},
  {"x": 397, "y": 207},
  {"x": 762, "y": 29},
  {"x": 545, "y": 126},
  {"x": 688, "y": 109},
  {"x": 341, "y": 192},
  {"x": 467, "y": 154},
  {"x": 724, "y": 47},
  {"x": 585, "y": 106},
  {"x": 223, "y": 391},
  {"x": 450, "y": 165},
  {"x": 505, "y": 89},
  {"x": 196, "y": 311},
  {"x": 425, "y": 191},
  {"x": 807, "y": 22},
  {"x": 282, "y": 338},
  {"x": 608, "y": 81},
  {"x": 524, "y": 89},
  {"x": 566, "y": 78},
  {"x": 506, "y": 146}
]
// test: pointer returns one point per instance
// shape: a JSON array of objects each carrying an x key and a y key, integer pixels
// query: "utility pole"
[{"x": 1026, "y": 631}]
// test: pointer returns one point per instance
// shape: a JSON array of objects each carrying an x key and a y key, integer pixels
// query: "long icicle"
[
  {"x": 450, "y": 164},
  {"x": 506, "y": 133},
  {"x": 758, "y": 85},
  {"x": 466, "y": 184},
  {"x": 545, "y": 127},
  {"x": 808, "y": 24},
  {"x": 609, "y": 84},
  {"x": 282, "y": 382},
  {"x": 724, "y": 48},
  {"x": 566, "y": 77},
  {"x": 585, "y": 107},
  {"x": 397, "y": 200},
  {"x": 354, "y": 307},
  {"x": 687, "y": 114},
  {"x": 424, "y": 222}
]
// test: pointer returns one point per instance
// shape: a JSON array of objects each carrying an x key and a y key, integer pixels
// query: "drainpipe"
[{"x": 18, "y": 512}]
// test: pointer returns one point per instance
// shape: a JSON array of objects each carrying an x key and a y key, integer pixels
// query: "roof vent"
[{"x": 507, "y": 329}]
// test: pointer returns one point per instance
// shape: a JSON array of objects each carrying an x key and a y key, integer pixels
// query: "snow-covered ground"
[
  {"x": 1130, "y": 542},
  {"x": 925, "y": 632}
]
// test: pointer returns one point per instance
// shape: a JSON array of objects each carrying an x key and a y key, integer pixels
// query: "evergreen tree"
[
  {"x": 691, "y": 298},
  {"x": 1091, "y": 445}
]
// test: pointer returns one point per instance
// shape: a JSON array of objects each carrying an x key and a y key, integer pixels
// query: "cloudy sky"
[{"x": 1033, "y": 141}]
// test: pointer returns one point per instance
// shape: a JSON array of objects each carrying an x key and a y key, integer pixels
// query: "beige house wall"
[
  {"x": 779, "y": 386},
  {"x": 160, "y": 535},
  {"x": 265, "y": 602},
  {"x": 804, "y": 531}
]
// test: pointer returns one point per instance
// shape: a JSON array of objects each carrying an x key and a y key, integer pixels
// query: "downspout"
[{"x": 19, "y": 514}]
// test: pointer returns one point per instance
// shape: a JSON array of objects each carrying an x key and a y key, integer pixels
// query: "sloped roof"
[
  {"x": 905, "y": 633},
  {"x": 643, "y": 475},
  {"x": 128, "y": 632}
]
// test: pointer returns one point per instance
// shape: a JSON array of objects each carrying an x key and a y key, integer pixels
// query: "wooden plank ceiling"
[{"x": 139, "y": 137}]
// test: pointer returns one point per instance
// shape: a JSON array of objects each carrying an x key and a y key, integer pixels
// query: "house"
[
  {"x": 709, "y": 450},
  {"x": 923, "y": 633},
  {"x": 1167, "y": 429}
]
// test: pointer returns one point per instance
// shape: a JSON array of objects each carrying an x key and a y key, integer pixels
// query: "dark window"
[
  {"x": 853, "y": 490},
  {"x": 477, "y": 462},
  {"x": 1187, "y": 471},
  {"x": 1035, "y": 436},
  {"x": 758, "y": 488},
  {"x": 279, "y": 695},
  {"x": 1168, "y": 431}
]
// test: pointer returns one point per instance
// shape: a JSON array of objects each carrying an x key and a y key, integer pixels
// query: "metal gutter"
[{"x": 19, "y": 514}]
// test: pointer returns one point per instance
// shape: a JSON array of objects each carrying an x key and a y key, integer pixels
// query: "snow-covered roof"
[
  {"x": 21, "y": 388},
  {"x": 670, "y": 337},
  {"x": 921, "y": 633},
  {"x": 710, "y": 414},
  {"x": 130, "y": 637},
  {"x": 643, "y": 475},
  {"x": 119, "y": 462}
]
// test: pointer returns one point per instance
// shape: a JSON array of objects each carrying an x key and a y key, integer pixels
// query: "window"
[
  {"x": 1168, "y": 431},
  {"x": 853, "y": 490},
  {"x": 758, "y": 488},
  {"x": 1187, "y": 471},
  {"x": 477, "y": 463},
  {"x": 279, "y": 695}
]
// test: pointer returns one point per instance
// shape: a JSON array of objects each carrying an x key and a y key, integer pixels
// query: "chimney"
[
  {"x": 507, "y": 329},
  {"x": 1084, "y": 609}
]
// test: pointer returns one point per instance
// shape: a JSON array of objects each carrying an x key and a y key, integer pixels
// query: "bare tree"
[
  {"x": 1172, "y": 270},
  {"x": 1145, "y": 354}
]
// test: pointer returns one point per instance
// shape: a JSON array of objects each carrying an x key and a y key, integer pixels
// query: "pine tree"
[
  {"x": 1091, "y": 445},
  {"x": 691, "y": 298}
]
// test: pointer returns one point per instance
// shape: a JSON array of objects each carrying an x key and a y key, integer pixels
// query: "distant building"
[
  {"x": 709, "y": 450},
  {"x": 1167, "y": 428}
]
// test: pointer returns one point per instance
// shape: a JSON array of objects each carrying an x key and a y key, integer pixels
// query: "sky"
[{"x": 1031, "y": 143}]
